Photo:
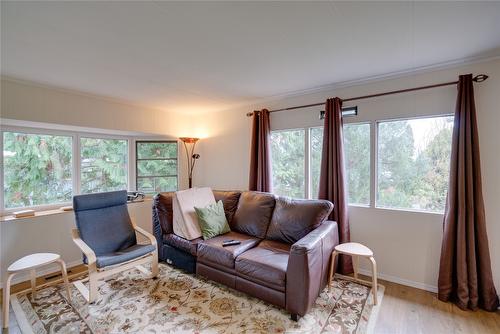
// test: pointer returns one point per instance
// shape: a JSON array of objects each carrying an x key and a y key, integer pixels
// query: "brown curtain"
[
  {"x": 331, "y": 180},
  {"x": 465, "y": 269},
  {"x": 260, "y": 153}
]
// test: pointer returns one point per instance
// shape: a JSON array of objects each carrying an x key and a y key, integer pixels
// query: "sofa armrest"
[{"x": 308, "y": 267}]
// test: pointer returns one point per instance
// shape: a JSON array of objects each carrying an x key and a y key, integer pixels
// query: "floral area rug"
[{"x": 182, "y": 303}]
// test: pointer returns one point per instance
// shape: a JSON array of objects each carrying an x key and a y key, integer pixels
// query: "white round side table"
[
  {"x": 30, "y": 262},
  {"x": 356, "y": 250}
]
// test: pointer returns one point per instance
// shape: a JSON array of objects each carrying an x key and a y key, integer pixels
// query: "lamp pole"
[{"x": 191, "y": 157}]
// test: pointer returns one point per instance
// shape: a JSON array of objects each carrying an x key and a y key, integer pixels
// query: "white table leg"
[
  {"x": 6, "y": 300},
  {"x": 355, "y": 263},
  {"x": 33, "y": 284},
  {"x": 332, "y": 265},
  {"x": 374, "y": 279},
  {"x": 93, "y": 287},
  {"x": 65, "y": 277}
]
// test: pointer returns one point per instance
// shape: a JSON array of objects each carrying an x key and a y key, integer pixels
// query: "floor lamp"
[{"x": 189, "y": 145}]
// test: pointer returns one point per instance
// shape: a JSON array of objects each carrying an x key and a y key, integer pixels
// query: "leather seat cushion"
[
  {"x": 253, "y": 214},
  {"x": 188, "y": 246},
  {"x": 265, "y": 264},
  {"x": 229, "y": 200},
  {"x": 293, "y": 219},
  {"x": 211, "y": 250},
  {"x": 123, "y": 255}
]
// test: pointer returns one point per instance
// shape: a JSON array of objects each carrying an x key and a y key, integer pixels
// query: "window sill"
[{"x": 42, "y": 213}]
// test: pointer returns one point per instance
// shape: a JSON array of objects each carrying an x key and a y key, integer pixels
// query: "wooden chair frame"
[{"x": 97, "y": 274}]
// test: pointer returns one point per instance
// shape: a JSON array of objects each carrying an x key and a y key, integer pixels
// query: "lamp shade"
[{"x": 189, "y": 140}]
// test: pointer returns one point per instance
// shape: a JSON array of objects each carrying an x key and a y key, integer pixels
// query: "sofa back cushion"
[
  {"x": 254, "y": 212},
  {"x": 294, "y": 218},
  {"x": 229, "y": 200},
  {"x": 162, "y": 211}
]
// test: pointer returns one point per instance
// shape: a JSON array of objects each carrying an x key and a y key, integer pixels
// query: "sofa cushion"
[
  {"x": 162, "y": 206},
  {"x": 265, "y": 264},
  {"x": 253, "y": 214},
  {"x": 188, "y": 246},
  {"x": 211, "y": 250},
  {"x": 185, "y": 218},
  {"x": 230, "y": 200},
  {"x": 295, "y": 218}
]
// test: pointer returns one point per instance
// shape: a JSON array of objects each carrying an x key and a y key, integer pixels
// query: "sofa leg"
[{"x": 295, "y": 317}]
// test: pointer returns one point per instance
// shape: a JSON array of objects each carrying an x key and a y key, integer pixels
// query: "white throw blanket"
[{"x": 184, "y": 216}]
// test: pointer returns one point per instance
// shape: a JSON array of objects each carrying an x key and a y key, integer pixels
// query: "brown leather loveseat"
[{"x": 284, "y": 253}]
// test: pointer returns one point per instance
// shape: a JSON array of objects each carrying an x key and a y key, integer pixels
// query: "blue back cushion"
[{"x": 103, "y": 221}]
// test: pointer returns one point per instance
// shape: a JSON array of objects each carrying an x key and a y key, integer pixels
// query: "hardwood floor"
[
  {"x": 409, "y": 310},
  {"x": 404, "y": 310}
]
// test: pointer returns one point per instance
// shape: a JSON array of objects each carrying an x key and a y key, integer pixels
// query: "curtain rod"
[{"x": 477, "y": 78}]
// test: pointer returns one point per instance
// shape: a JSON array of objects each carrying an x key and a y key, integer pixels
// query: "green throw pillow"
[{"x": 212, "y": 220}]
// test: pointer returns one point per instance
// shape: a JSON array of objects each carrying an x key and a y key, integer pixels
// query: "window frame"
[
  {"x": 306, "y": 155},
  {"x": 374, "y": 140},
  {"x": 374, "y": 183},
  {"x": 35, "y": 131},
  {"x": 76, "y": 136},
  {"x": 136, "y": 156},
  {"x": 370, "y": 200},
  {"x": 104, "y": 136}
]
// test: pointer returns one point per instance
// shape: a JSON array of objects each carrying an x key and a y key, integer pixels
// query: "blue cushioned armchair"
[{"x": 106, "y": 235}]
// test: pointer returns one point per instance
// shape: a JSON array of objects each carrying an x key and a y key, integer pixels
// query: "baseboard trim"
[{"x": 402, "y": 281}]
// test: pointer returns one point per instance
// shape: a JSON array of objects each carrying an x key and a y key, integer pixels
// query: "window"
[
  {"x": 156, "y": 166},
  {"x": 413, "y": 163},
  {"x": 44, "y": 168},
  {"x": 37, "y": 169},
  {"x": 293, "y": 177},
  {"x": 288, "y": 162},
  {"x": 316, "y": 146},
  {"x": 103, "y": 164},
  {"x": 357, "y": 162}
]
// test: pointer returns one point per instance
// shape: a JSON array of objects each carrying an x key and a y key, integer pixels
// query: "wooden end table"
[
  {"x": 31, "y": 263},
  {"x": 356, "y": 250}
]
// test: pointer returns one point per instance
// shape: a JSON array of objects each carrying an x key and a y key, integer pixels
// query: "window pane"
[
  {"x": 357, "y": 162},
  {"x": 287, "y": 149},
  {"x": 156, "y": 150},
  {"x": 37, "y": 169},
  {"x": 156, "y": 184},
  {"x": 413, "y": 163},
  {"x": 316, "y": 136},
  {"x": 156, "y": 166},
  {"x": 103, "y": 164}
]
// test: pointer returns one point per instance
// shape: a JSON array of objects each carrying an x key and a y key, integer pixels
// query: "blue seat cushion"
[{"x": 123, "y": 255}]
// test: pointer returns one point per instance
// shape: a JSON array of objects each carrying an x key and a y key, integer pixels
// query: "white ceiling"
[{"x": 197, "y": 56}]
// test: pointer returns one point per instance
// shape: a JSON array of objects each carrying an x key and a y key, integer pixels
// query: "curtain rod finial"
[
  {"x": 480, "y": 77},
  {"x": 249, "y": 114}
]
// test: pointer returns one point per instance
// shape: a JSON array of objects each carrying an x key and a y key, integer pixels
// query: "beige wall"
[
  {"x": 28, "y": 102},
  {"x": 406, "y": 244},
  {"x": 39, "y": 103}
]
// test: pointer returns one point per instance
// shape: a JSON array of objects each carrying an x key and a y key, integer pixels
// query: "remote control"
[{"x": 231, "y": 243}]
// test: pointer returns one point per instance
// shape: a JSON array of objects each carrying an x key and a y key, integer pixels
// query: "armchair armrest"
[
  {"x": 308, "y": 267},
  {"x": 86, "y": 250},
  {"x": 143, "y": 232}
]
